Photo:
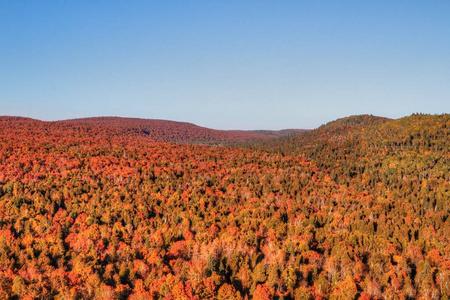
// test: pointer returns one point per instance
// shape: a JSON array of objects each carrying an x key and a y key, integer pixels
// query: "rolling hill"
[
  {"x": 401, "y": 161},
  {"x": 117, "y": 128},
  {"x": 180, "y": 132},
  {"x": 351, "y": 148}
]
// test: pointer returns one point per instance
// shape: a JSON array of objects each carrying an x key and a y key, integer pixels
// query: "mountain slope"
[{"x": 398, "y": 161}]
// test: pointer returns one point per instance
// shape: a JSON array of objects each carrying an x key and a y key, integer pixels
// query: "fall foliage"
[{"x": 106, "y": 208}]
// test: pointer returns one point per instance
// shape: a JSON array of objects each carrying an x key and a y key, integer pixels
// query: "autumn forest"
[{"x": 119, "y": 208}]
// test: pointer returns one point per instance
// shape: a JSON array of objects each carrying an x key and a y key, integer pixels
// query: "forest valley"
[{"x": 116, "y": 208}]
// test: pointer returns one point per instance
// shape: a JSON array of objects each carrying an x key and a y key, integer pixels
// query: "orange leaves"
[
  {"x": 408, "y": 220},
  {"x": 178, "y": 249},
  {"x": 345, "y": 289},
  {"x": 434, "y": 257},
  {"x": 157, "y": 239},
  {"x": 6, "y": 238},
  {"x": 262, "y": 292},
  {"x": 152, "y": 257},
  {"x": 140, "y": 267},
  {"x": 214, "y": 230},
  {"x": 228, "y": 292}
]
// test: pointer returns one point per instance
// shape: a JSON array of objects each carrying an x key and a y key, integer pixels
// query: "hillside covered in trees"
[
  {"x": 106, "y": 208},
  {"x": 140, "y": 129},
  {"x": 399, "y": 160}
]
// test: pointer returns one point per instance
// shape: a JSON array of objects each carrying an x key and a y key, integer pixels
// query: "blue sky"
[{"x": 225, "y": 64}]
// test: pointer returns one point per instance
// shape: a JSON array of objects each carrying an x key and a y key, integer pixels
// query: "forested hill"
[
  {"x": 336, "y": 132},
  {"x": 355, "y": 145},
  {"x": 178, "y": 132},
  {"x": 399, "y": 158},
  {"x": 117, "y": 128}
]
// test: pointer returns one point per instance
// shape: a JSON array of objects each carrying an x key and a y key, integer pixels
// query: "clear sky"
[{"x": 225, "y": 64}]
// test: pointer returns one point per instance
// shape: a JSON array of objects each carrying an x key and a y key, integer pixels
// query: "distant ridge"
[{"x": 148, "y": 129}]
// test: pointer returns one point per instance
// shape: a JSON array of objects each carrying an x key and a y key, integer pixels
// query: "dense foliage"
[
  {"x": 98, "y": 211},
  {"x": 179, "y": 132},
  {"x": 404, "y": 160}
]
